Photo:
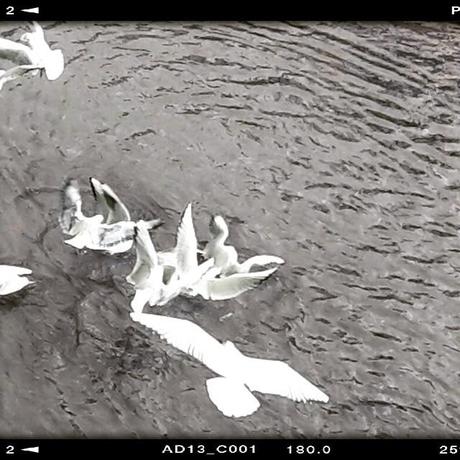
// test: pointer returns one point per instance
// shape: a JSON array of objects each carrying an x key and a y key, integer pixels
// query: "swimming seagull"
[
  {"x": 98, "y": 232},
  {"x": 240, "y": 375},
  {"x": 12, "y": 279},
  {"x": 159, "y": 277},
  {"x": 32, "y": 54},
  {"x": 226, "y": 257}
]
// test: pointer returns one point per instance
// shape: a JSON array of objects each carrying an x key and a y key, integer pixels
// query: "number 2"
[
  {"x": 10, "y": 12},
  {"x": 10, "y": 450}
]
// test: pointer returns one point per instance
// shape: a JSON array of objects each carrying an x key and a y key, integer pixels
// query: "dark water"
[{"x": 335, "y": 146}]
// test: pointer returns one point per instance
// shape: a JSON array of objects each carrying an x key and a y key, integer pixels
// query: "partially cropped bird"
[
  {"x": 32, "y": 54},
  {"x": 13, "y": 279},
  {"x": 240, "y": 375}
]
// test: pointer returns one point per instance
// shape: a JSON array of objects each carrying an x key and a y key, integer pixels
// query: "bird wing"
[
  {"x": 260, "y": 260},
  {"x": 153, "y": 223},
  {"x": 168, "y": 258},
  {"x": 79, "y": 241},
  {"x": 185, "y": 336},
  {"x": 36, "y": 28},
  {"x": 71, "y": 207},
  {"x": 232, "y": 285},
  {"x": 141, "y": 297},
  {"x": 35, "y": 39},
  {"x": 14, "y": 73},
  {"x": 114, "y": 208},
  {"x": 8, "y": 270},
  {"x": 231, "y": 397},
  {"x": 114, "y": 234},
  {"x": 16, "y": 52},
  {"x": 278, "y": 378},
  {"x": 146, "y": 256},
  {"x": 12, "y": 284},
  {"x": 186, "y": 244}
]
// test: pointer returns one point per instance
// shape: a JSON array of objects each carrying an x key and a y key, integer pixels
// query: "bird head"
[{"x": 217, "y": 225}]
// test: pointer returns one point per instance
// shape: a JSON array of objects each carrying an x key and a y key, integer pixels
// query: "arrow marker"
[
  {"x": 31, "y": 449},
  {"x": 31, "y": 10}
]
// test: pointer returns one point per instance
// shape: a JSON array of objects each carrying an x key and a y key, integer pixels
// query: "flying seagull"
[{"x": 240, "y": 375}]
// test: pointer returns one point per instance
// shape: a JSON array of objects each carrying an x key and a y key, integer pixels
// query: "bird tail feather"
[
  {"x": 231, "y": 397},
  {"x": 78, "y": 241}
]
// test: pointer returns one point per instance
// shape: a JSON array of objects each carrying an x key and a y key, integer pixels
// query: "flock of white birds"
[{"x": 212, "y": 272}]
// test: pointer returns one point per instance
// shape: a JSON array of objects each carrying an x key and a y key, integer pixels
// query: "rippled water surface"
[{"x": 335, "y": 146}]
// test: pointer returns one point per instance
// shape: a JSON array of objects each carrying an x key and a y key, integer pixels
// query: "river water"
[{"x": 333, "y": 145}]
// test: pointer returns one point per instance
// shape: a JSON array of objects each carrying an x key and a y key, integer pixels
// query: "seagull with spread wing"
[
  {"x": 111, "y": 231},
  {"x": 240, "y": 375}
]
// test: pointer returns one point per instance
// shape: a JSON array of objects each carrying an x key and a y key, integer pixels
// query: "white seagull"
[
  {"x": 33, "y": 54},
  {"x": 240, "y": 374},
  {"x": 226, "y": 257},
  {"x": 158, "y": 277},
  {"x": 112, "y": 232},
  {"x": 13, "y": 279}
]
